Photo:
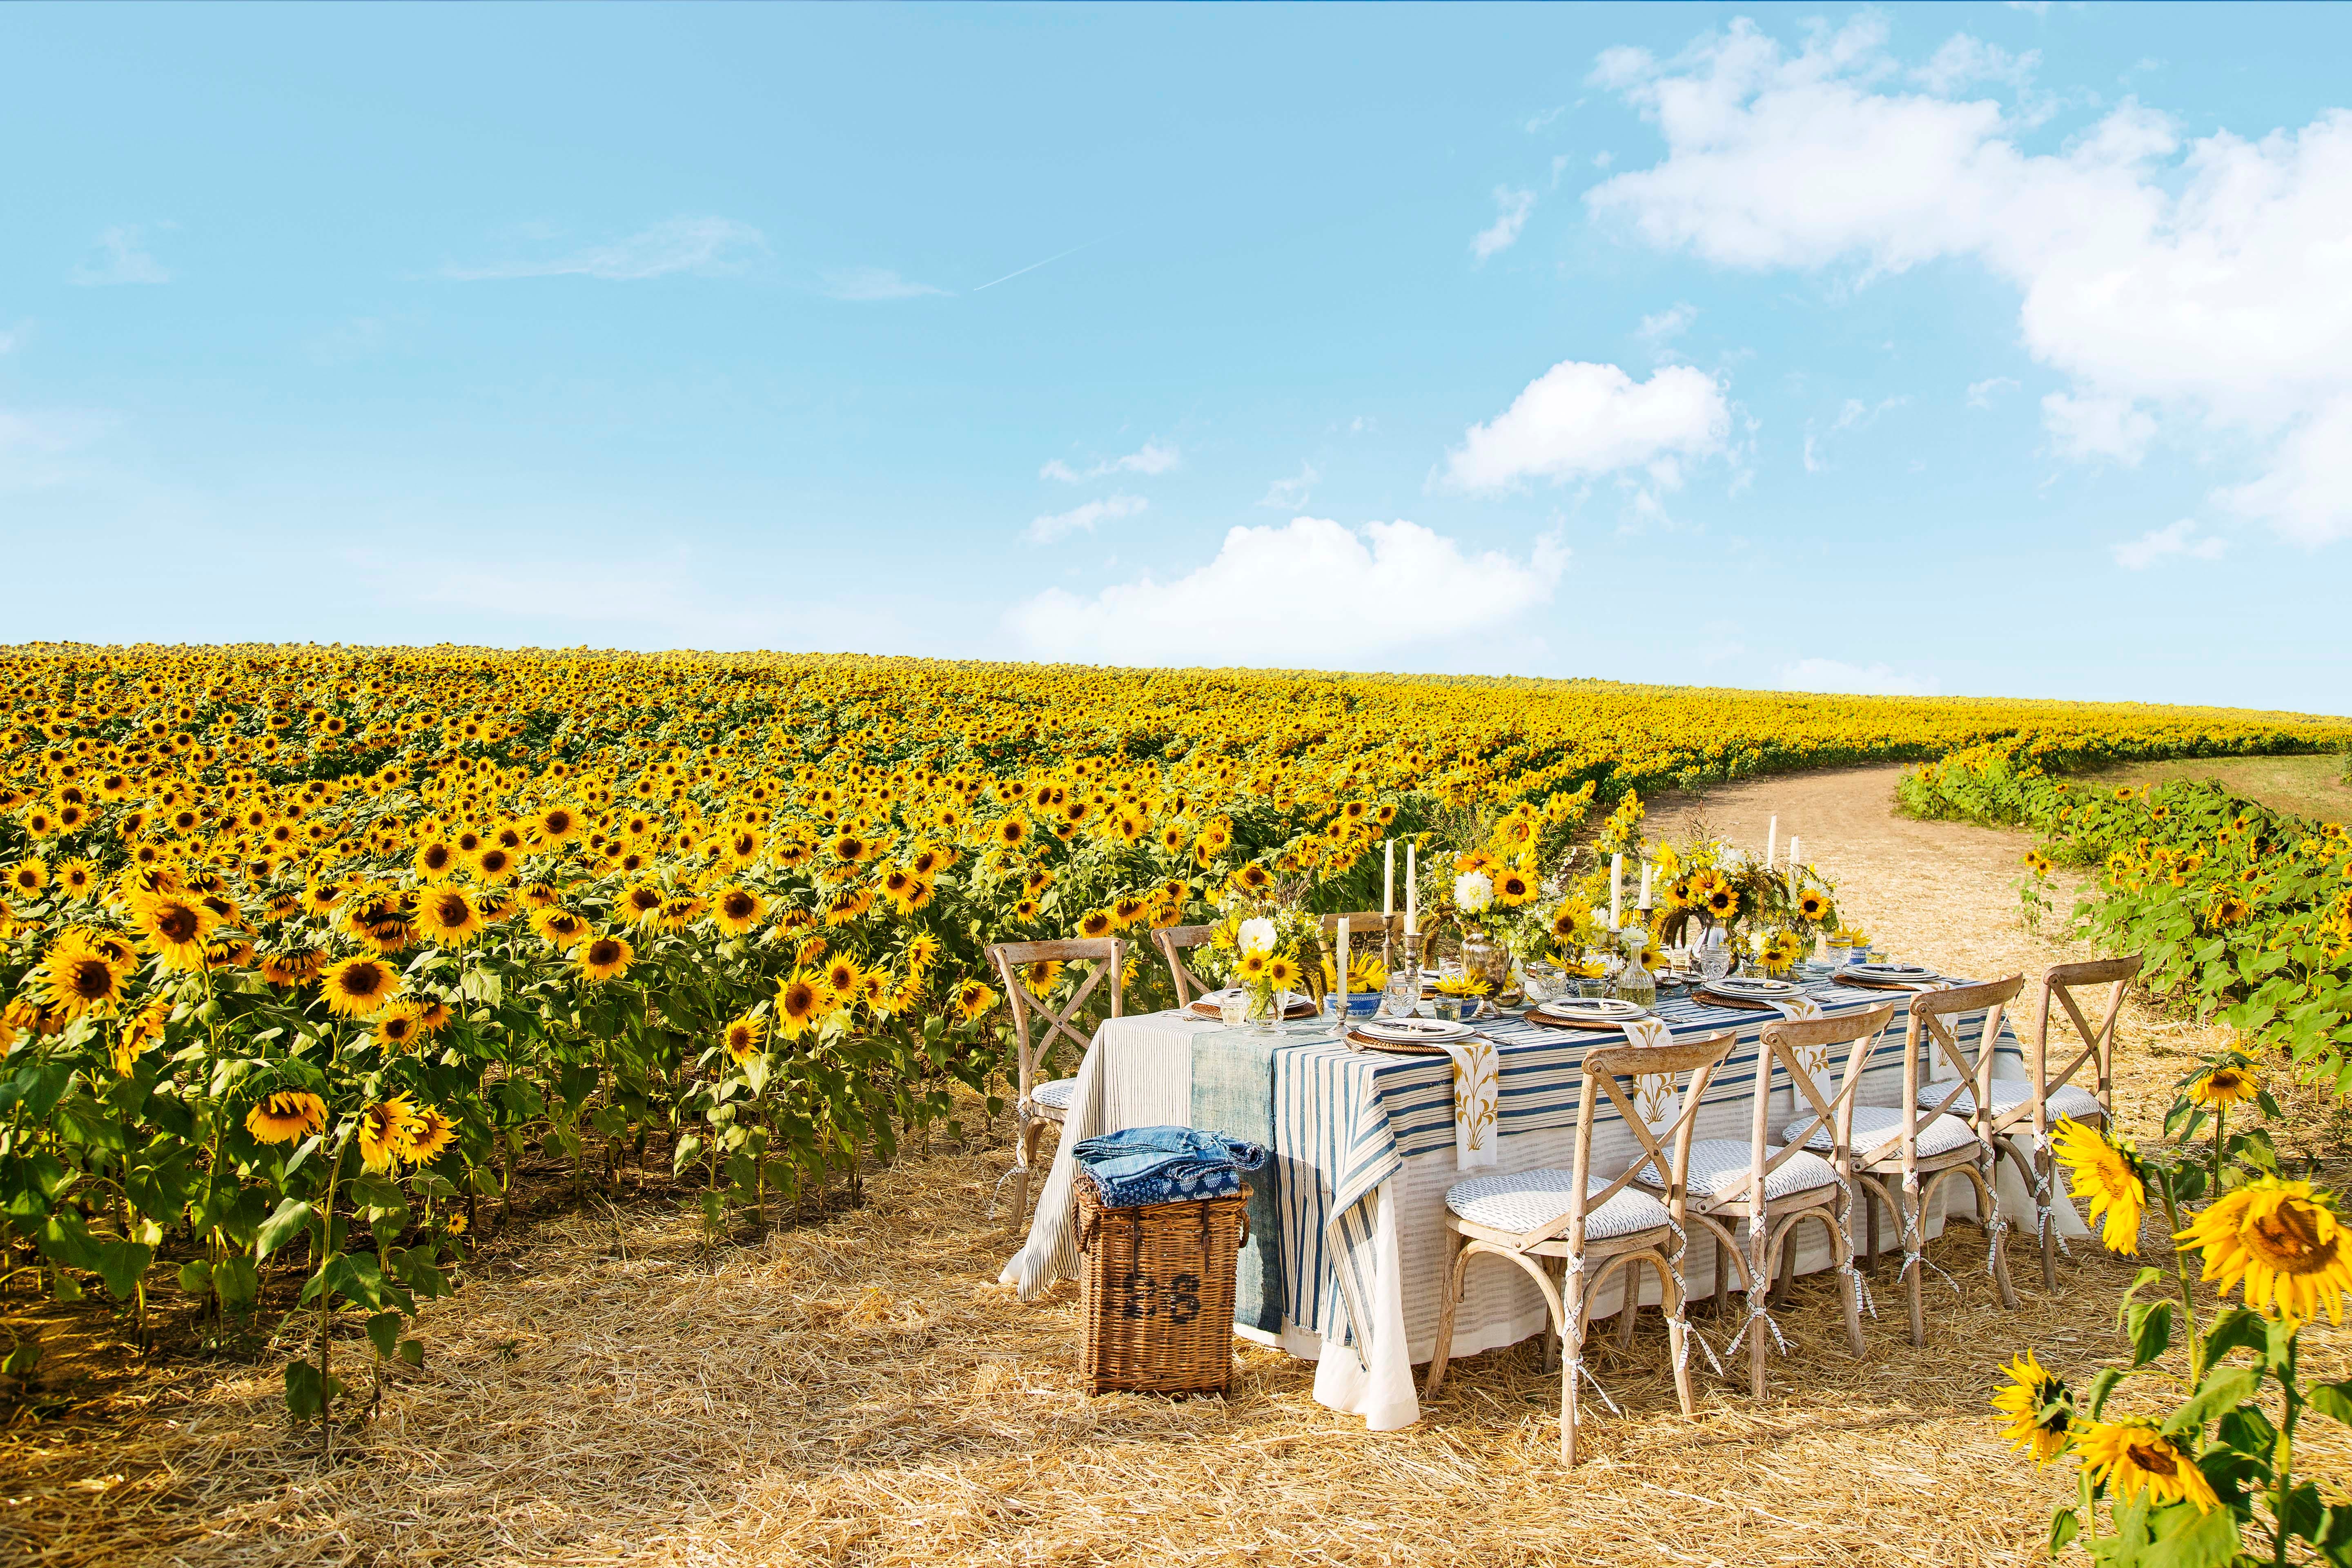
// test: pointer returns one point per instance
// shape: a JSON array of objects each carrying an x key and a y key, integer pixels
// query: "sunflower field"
[
  {"x": 303, "y": 948},
  {"x": 2243, "y": 912}
]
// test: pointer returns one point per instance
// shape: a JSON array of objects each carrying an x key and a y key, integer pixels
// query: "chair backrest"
[
  {"x": 1108, "y": 956},
  {"x": 1932, "y": 1035},
  {"x": 1607, "y": 1069},
  {"x": 2098, "y": 1040},
  {"x": 1801, "y": 1047},
  {"x": 1367, "y": 926},
  {"x": 1174, "y": 941}
]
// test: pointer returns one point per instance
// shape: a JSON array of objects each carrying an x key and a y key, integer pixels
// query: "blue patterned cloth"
[{"x": 1165, "y": 1165}]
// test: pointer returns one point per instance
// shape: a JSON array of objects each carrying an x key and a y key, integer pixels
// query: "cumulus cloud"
[
  {"x": 1151, "y": 457},
  {"x": 1324, "y": 575},
  {"x": 1578, "y": 420},
  {"x": 1981, "y": 393},
  {"x": 2208, "y": 281},
  {"x": 699, "y": 245},
  {"x": 2161, "y": 544},
  {"x": 118, "y": 258},
  {"x": 1511, "y": 217},
  {"x": 1287, "y": 494},
  {"x": 1082, "y": 518},
  {"x": 1869, "y": 679}
]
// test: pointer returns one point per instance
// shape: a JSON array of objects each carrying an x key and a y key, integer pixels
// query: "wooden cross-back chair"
[
  {"x": 2017, "y": 1115},
  {"x": 1041, "y": 1103},
  {"x": 1174, "y": 941},
  {"x": 1921, "y": 1144},
  {"x": 1592, "y": 1226},
  {"x": 1751, "y": 1194}
]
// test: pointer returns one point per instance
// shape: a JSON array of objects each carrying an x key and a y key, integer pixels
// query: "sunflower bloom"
[
  {"x": 737, "y": 910},
  {"x": 742, "y": 1039},
  {"x": 2222, "y": 1085},
  {"x": 447, "y": 918},
  {"x": 798, "y": 999},
  {"x": 384, "y": 1132},
  {"x": 2130, "y": 1457},
  {"x": 2282, "y": 1241},
  {"x": 605, "y": 957},
  {"x": 973, "y": 998},
  {"x": 358, "y": 987},
  {"x": 176, "y": 928},
  {"x": 76, "y": 979},
  {"x": 2109, "y": 1175},
  {"x": 2039, "y": 1408},
  {"x": 429, "y": 1132},
  {"x": 288, "y": 1114}
]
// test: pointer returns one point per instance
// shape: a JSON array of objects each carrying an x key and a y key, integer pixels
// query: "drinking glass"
[
  {"x": 1232, "y": 1008},
  {"x": 1714, "y": 961},
  {"x": 1402, "y": 996}
]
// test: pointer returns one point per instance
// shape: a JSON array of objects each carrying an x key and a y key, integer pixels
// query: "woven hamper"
[{"x": 1157, "y": 1292}]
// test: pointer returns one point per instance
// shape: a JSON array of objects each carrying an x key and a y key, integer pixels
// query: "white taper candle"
[
  {"x": 1413, "y": 887},
  {"x": 1388, "y": 879},
  {"x": 1343, "y": 966},
  {"x": 1616, "y": 888}
]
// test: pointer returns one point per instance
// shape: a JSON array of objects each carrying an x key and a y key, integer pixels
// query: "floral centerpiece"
[{"x": 1258, "y": 945}]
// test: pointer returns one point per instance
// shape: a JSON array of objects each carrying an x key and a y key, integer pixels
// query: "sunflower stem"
[
  {"x": 2283, "y": 1457},
  {"x": 2180, "y": 1277}
]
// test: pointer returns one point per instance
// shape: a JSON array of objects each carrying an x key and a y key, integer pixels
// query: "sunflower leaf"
[
  {"x": 2065, "y": 1526},
  {"x": 292, "y": 1215},
  {"x": 2332, "y": 1399},
  {"x": 2149, "y": 1326},
  {"x": 2102, "y": 1385},
  {"x": 2225, "y": 1388}
]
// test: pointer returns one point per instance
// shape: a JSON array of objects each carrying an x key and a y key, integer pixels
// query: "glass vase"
[{"x": 1487, "y": 960}]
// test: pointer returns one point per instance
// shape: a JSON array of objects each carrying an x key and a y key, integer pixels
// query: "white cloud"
[
  {"x": 1963, "y": 60},
  {"x": 866, "y": 283},
  {"x": 1535, "y": 122},
  {"x": 118, "y": 258},
  {"x": 1577, "y": 420},
  {"x": 1324, "y": 574},
  {"x": 1981, "y": 393},
  {"x": 2210, "y": 281},
  {"x": 1082, "y": 518},
  {"x": 2085, "y": 428},
  {"x": 1870, "y": 680},
  {"x": 1669, "y": 322},
  {"x": 1514, "y": 208},
  {"x": 2172, "y": 539},
  {"x": 708, "y": 246},
  {"x": 1151, "y": 457},
  {"x": 1558, "y": 167},
  {"x": 1602, "y": 160},
  {"x": 1291, "y": 493}
]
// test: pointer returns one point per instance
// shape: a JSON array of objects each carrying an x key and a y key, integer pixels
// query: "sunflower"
[
  {"x": 432, "y": 1017},
  {"x": 1251, "y": 968},
  {"x": 973, "y": 999},
  {"x": 29, "y": 875},
  {"x": 429, "y": 1132},
  {"x": 358, "y": 987},
  {"x": 2109, "y": 1173},
  {"x": 800, "y": 997},
  {"x": 176, "y": 928},
  {"x": 291, "y": 970},
  {"x": 2040, "y": 1409},
  {"x": 559, "y": 928},
  {"x": 1812, "y": 904},
  {"x": 605, "y": 957},
  {"x": 679, "y": 913},
  {"x": 2127, "y": 1456},
  {"x": 75, "y": 980},
  {"x": 737, "y": 910},
  {"x": 77, "y": 878},
  {"x": 922, "y": 951},
  {"x": 641, "y": 903},
  {"x": 2282, "y": 1242},
  {"x": 286, "y": 1115},
  {"x": 741, "y": 1038},
  {"x": 396, "y": 1029},
  {"x": 435, "y": 859},
  {"x": 541, "y": 896},
  {"x": 848, "y": 905},
  {"x": 448, "y": 919},
  {"x": 841, "y": 976},
  {"x": 1720, "y": 899},
  {"x": 555, "y": 823},
  {"x": 495, "y": 864},
  {"x": 1513, "y": 888},
  {"x": 2225, "y": 1084},
  {"x": 384, "y": 1132},
  {"x": 1097, "y": 924},
  {"x": 1281, "y": 972},
  {"x": 1040, "y": 976},
  {"x": 2228, "y": 910}
]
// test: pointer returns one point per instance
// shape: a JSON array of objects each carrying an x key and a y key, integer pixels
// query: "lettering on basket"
[{"x": 1141, "y": 1295}]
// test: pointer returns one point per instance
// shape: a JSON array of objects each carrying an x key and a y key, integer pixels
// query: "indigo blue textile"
[{"x": 1165, "y": 1165}]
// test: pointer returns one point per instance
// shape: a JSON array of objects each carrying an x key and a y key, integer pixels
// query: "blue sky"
[{"x": 1955, "y": 349}]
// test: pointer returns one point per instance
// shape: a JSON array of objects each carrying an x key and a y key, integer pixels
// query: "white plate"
[
  {"x": 1414, "y": 1031},
  {"x": 1615, "y": 1009},
  {"x": 1291, "y": 1001},
  {"x": 1891, "y": 971},
  {"x": 1748, "y": 986}
]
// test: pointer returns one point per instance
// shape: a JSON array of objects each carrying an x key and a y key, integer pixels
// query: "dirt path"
[{"x": 1940, "y": 893}]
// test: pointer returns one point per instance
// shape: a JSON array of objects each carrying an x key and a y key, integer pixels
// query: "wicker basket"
[{"x": 1157, "y": 1292}]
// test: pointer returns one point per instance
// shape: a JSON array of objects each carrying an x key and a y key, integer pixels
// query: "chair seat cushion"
[
  {"x": 1528, "y": 1199},
  {"x": 1718, "y": 1170},
  {"x": 2008, "y": 1093},
  {"x": 1056, "y": 1095},
  {"x": 1874, "y": 1124}
]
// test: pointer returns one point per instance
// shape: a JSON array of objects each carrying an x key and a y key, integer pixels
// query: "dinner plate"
[
  {"x": 1412, "y": 1031},
  {"x": 1295, "y": 1004},
  {"x": 1590, "y": 1009},
  {"x": 1890, "y": 971},
  {"x": 1751, "y": 986}
]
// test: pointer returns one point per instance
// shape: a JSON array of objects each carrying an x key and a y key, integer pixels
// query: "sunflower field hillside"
[{"x": 302, "y": 949}]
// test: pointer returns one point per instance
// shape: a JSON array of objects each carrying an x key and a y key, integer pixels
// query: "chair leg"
[
  {"x": 1787, "y": 1263},
  {"x": 1572, "y": 1340},
  {"x": 2045, "y": 1186},
  {"x": 1025, "y": 1161},
  {"x": 1913, "y": 1271},
  {"x": 1870, "y": 1217},
  {"x": 1722, "y": 1278},
  {"x": 1676, "y": 1302},
  {"x": 1989, "y": 1205},
  {"x": 1628, "y": 1307},
  {"x": 1759, "y": 1265},
  {"x": 1457, "y": 1263},
  {"x": 1849, "y": 1291}
]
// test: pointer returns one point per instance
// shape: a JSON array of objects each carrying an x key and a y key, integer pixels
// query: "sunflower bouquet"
[{"x": 2214, "y": 1481}]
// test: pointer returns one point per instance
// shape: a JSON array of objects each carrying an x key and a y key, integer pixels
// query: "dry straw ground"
[{"x": 861, "y": 1392}]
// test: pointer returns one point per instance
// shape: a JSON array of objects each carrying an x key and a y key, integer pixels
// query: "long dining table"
[{"x": 1346, "y": 1249}]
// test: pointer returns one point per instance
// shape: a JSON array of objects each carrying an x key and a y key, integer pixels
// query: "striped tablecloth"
[{"x": 1345, "y": 1219}]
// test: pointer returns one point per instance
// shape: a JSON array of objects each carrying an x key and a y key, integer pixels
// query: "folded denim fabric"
[{"x": 1165, "y": 1165}]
